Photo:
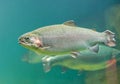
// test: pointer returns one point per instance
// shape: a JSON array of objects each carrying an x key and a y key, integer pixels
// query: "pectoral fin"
[
  {"x": 46, "y": 63},
  {"x": 94, "y": 48}
]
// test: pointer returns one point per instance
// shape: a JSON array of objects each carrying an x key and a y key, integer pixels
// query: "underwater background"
[{"x": 21, "y": 16}]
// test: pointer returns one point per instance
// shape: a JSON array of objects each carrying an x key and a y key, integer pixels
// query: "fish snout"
[
  {"x": 30, "y": 41},
  {"x": 21, "y": 40}
]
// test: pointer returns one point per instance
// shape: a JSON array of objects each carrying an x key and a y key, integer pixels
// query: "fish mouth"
[
  {"x": 21, "y": 41},
  {"x": 24, "y": 43},
  {"x": 30, "y": 41}
]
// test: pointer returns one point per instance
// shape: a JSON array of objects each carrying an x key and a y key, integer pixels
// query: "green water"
[{"x": 20, "y": 16}]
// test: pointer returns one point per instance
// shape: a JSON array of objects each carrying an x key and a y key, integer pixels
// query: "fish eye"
[{"x": 27, "y": 39}]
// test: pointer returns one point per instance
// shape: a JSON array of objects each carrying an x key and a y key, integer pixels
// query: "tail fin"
[{"x": 110, "y": 38}]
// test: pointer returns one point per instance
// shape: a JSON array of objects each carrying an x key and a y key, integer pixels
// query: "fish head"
[{"x": 30, "y": 41}]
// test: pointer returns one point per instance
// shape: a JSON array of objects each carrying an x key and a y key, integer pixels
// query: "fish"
[
  {"x": 32, "y": 58},
  {"x": 66, "y": 38},
  {"x": 86, "y": 61}
]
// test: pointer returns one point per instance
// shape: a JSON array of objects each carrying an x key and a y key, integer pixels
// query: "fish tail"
[{"x": 110, "y": 38}]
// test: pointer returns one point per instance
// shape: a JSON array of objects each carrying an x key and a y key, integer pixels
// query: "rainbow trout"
[
  {"x": 87, "y": 60},
  {"x": 65, "y": 38}
]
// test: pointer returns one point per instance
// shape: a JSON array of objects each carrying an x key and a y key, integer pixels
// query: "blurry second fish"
[
  {"x": 32, "y": 57},
  {"x": 87, "y": 60}
]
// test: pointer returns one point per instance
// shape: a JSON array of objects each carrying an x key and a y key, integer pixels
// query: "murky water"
[{"x": 20, "y": 16}]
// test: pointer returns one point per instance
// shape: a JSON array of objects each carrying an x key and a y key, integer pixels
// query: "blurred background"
[{"x": 20, "y": 16}]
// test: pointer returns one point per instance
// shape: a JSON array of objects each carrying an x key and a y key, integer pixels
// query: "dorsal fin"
[{"x": 70, "y": 23}]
